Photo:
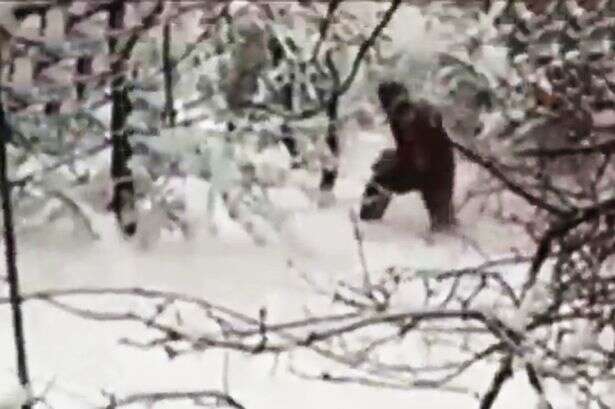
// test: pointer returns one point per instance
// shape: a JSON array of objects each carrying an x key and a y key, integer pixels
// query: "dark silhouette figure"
[{"x": 422, "y": 160}]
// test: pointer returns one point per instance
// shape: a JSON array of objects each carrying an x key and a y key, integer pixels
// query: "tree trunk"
[
  {"x": 11, "y": 256},
  {"x": 83, "y": 67},
  {"x": 329, "y": 172},
  {"x": 169, "y": 112},
  {"x": 123, "y": 201}
]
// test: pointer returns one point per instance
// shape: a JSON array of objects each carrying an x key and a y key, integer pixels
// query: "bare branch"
[
  {"x": 501, "y": 376},
  {"x": 199, "y": 396}
]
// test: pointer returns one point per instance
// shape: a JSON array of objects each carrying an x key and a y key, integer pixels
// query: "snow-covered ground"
[{"x": 82, "y": 358}]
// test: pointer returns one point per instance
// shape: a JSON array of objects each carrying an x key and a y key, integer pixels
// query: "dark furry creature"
[{"x": 422, "y": 161}]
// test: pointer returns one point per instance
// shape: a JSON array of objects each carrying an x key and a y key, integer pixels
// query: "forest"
[{"x": 309, "y": 204}]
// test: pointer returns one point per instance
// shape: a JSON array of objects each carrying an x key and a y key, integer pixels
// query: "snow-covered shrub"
[
  {"x": 261, "y": 76},
  {"x": 242, "y": 75},
  {"x": 539, "y": 120},
  {"x": 541, "y": 104}
]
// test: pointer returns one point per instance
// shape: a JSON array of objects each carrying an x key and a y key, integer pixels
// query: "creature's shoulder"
[
  {"x": 429, "y": 114},
  {"x": 416, "y": 114}
]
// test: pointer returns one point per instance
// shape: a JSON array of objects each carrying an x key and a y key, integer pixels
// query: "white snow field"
[{"x": 80, "y": 358}]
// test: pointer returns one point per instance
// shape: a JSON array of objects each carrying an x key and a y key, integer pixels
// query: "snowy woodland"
[{"x": 180, "y": 184}]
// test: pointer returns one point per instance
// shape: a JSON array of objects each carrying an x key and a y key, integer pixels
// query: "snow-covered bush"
[
  {"x": 170, "y": 87},
  {"x": 540, "y": 123},
  {"x": 542, "y": 107},
  {"x": 262, "y": 80}
]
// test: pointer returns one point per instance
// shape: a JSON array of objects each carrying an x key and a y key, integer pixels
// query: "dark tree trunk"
[
  {"x": 329, "y": 173},
  {"x": 123, "y": 201},
  {"x": 53, "y": 107},
  {"x": 84, "y": 67},
  {"x": 40, "y": 65},
  {"x": 288, "y": 138},
  {"x": 169, "y": 112},
  {"x": 11, "y": 256}
]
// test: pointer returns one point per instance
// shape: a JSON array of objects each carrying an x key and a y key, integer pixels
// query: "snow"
[
  {"x": 7, "y": 18},
  {"x": 23, "y": 71},
  {"x": 82, "y": 358},
  {"x": 12, "y": 395},
  {"x": 55, "y": 25}
]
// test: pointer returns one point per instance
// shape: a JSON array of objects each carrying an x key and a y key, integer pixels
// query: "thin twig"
[
  {"x": 511, "y": 185},
  {"x": 324, "y": 27},
  {"x": 358, "y": 236},
  {"x": 367, "y": 44},
  {"x": 196, "y": 396}
]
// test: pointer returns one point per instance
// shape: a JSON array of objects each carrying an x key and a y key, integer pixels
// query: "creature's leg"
[
  {"x": 390, "y": 177},
  {"x": 439, "y": 203},
  {"x": 375, "y": 201},
  {"x": 376, "y": 197}
]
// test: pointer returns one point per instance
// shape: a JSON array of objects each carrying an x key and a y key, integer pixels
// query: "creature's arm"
[{"x": 386, "y": 162}]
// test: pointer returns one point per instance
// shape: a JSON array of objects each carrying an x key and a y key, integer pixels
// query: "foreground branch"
[
  {"x": 503, "y": 374},
  {"x": 199, "y": 397},
  {"x": 510, "y": 185},
  {"x": 11, "y": 255},
  {"x": 367, "y": 44}
]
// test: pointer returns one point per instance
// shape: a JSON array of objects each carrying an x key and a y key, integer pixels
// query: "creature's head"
[{"x": 390, "y": 94}]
